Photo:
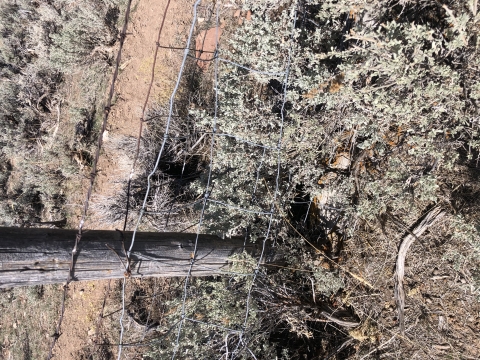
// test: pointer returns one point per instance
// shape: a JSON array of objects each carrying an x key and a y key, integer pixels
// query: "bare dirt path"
[
  {"x": 132, "y": 86},
  {"x": 86, "y": 298}
]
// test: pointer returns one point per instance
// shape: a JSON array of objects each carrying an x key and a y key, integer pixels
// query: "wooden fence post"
[{"x": 32, "y": 256}]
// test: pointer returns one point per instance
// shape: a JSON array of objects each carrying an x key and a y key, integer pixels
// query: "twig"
[
  {"x": 473, "y": 7},
  {"x": 56, "y": 126},
  {"x": 313, "y": 290},
  {"x": 379, "y": 347},
  {"x": 433, "y": 216},
  {"x": 198, "y": 142},
  {"x": 340, "y": 348},
  {"x": 338, "y": 321},
  {"x": 318, "y": 251},
  {"x": 119, "y": 258}
]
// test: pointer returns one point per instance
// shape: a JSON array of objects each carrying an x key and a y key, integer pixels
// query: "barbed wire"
[
  {"x": 93, "y": 175},
  {"x": 144, "y": 108}
]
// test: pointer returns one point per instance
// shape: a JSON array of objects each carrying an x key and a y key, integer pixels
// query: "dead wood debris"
[{"x": 433, "y": 216}]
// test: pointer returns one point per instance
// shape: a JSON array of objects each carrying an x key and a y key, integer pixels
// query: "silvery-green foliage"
[
  {"x": 327, "y": 282},
  {"x": 244, "y": 168},
  {"x": 219, "y": 307},
  {"x": 467, "y": 234},
  {"x": 85, "y": 33},
  {"x": 36, "y": 143},
  {"x": 393, "y": 78},
  {"x": 392, "y": 90}
]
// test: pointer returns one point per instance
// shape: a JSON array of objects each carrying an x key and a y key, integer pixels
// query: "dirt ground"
[
  {"x": 132, "y": 86},
  {"x": 85, "y": 299}
]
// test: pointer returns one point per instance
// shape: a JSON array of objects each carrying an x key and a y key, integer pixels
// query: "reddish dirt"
[
  {"x": 85, "y": 298},
  {"x": 133, "y": 82},
  {"x": 205, "y": 45}
]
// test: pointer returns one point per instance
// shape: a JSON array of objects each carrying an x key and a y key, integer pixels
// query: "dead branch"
[
  {"x": 341, "y": 322},
  {"x": 434, "y": 215}
]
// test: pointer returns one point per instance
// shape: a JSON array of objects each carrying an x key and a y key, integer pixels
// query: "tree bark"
[{"x": 42, "y": 256}]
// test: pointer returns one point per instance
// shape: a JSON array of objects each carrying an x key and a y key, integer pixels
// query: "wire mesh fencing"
[
  {"x": 221, "y": 203},
  {"x": 212, "y": 201},
  {"x": 244, "y": 150}
]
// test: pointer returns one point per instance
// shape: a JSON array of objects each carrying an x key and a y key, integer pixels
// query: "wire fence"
[
  {"x": 265, "y": 205},
  {"x": 93, "y": 175},
  {"x": 268, "y": 209},
  {"x": 208, "y": 188}
]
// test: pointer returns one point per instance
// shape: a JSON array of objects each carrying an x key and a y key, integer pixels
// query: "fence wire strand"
[
  {"x": 93, "y": 175},
  {"x": 160, "y": 153},
  {"x": 207, "y": 191}
]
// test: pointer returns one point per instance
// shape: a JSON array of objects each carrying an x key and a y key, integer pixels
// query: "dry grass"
[
  {"x": 26, "y": 320},
  {"x": 441, "y": 286}
]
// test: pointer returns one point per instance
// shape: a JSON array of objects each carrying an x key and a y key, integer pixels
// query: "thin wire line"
[
  {"x": 239, "y": 208},
  {"x": 308, "y": 211},
  {"x": 120, "y": 346},
  {"x": 214, "y": 325},
  {"x": 140, "y": 129},
  {"x": 182, "y": 48},
  {"x": 247, "y": 141},
  {"x": 175, "y": 264},
  {"x": 182, "y": 207},
  {"x": 250, "y": 69},
  {"x": 93, "y": 175},
  {"x": 214, "y": 129},
  {"x": 277, "y": 182},
  {"x": 184, "y": 137}
]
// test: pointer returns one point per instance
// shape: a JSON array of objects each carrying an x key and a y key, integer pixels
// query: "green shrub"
[
  {"x": 36, "y": 141},
  {"x": 382, "y": 95},
  {"x": 85, "y": 33}
]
